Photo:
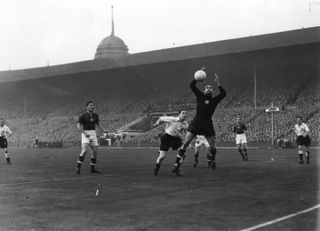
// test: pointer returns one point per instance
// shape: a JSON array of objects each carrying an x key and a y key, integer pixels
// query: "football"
[{"x": 200, "y": 75}]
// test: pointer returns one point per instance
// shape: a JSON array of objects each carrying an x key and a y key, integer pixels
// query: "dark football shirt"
[
  {"x": 239, "y": 128},
  {"x": 89, "y": 120},
  {"x": 206, "y": 104}
]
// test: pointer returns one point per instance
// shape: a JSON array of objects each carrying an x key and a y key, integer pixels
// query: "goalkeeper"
[{"x": 202, "y": 123}]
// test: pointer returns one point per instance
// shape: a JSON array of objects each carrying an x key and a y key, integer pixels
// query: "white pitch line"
[
  {"x": 281, "y": 219},
  {"x": 51, "y": 180}
]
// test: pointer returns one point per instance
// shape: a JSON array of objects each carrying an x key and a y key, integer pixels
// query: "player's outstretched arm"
[
  {"x": 223, "y": 92},
  {"x": 194, "y": 88},
  {"x": 157, "y": 123},
  {"x": 9, "y": 133},
  {"x": 216, "y": 79}
]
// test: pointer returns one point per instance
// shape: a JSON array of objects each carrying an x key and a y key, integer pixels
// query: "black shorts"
[
  {"x": 201, "y": 128},
  {"x": 303, "y": 141},
  {"x": 168, "y": 141},
  {"x": 3, "y": 142}
]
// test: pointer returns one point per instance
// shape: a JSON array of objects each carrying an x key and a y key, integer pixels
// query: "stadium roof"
[{"x": 247, "y": 44}]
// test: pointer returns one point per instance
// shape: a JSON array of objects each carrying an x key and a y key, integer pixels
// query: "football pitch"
[{"x": 271, "y": 191}]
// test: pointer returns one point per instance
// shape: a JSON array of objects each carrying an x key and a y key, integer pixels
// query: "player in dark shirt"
[
  {"x": 241, "y": 139},
  {"x": 87, "y": 125},
  {"x": 202, "y": 123}
]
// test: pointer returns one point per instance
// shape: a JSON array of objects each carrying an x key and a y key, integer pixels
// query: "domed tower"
[{"x": 111, "y": 46}]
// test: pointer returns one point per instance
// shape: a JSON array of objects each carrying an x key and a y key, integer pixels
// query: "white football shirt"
[
  {"x": 5, "y": 131},
  {"x": 301, "y": 129},
  {"x": 174, "y": 127}
]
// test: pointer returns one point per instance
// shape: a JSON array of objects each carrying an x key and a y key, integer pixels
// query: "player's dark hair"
[
  {"x": 89, "y": 102},
  {"x": 299, "y": 117},
  {"x": 181, "y": 110}
]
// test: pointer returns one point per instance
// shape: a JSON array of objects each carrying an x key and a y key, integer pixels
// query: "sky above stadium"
[{"x": 37, "y": 33}]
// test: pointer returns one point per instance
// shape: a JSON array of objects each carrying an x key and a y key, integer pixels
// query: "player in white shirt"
[
  {"x": 201, "y": 142},
  {"x": 5, "y": 132},
  {"x": 303, "y": 140},
  {"x": 172, "y": 137}
]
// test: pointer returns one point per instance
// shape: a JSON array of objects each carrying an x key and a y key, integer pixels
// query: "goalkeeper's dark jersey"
[{"x": 206, "y": 104}]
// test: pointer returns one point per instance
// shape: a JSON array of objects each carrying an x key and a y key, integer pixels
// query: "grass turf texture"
[{"x": 40, "y": 191}]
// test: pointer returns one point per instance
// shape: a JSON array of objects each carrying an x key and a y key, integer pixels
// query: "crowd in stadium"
[{"x": 59, "y": 124}]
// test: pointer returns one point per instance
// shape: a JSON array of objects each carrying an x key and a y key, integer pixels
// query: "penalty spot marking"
[{"x": 281, "y": 219}]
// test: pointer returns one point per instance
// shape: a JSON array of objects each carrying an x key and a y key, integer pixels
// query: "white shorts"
[
  {"x": 92, "y": 140},
  {"x": 241, "y": 139},
  {"x": 202, "y": 143}
]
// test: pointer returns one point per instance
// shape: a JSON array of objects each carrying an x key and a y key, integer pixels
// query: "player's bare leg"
[
  {"x": 84, "y": 150},
  {"x": 209, "y": 158},
  {"x": 158, "y": 162}
]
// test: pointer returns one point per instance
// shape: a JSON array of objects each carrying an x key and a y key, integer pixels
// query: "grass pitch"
[{"x": 40, "y": 191}]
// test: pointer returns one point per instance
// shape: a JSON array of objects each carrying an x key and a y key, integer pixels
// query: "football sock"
[
  {"x": 156, "y": 170},
  {"x": 180, "y": 157},
  {"x": 177, "y": 163},
  {"x": 80, "y": 161},
  {"x": 7, "y": 156},
  {"x": 241, "y": 153},
  {"x": 181, "y": 152},
  {"x": 93, "y": 163},
  {"x": 308, "y": 155},
  {"x": 209, "y": 158},
  {"x": 301, "y": 156},
  {"x": 196, "y": 158},
  {"x": 245, "y": 151},
  {"x": 196, "y": 155},
  {"x": 213, "y": 152}
]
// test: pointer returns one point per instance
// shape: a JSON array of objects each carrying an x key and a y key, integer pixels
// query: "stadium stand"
[{"x": 283, "y": 71}]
